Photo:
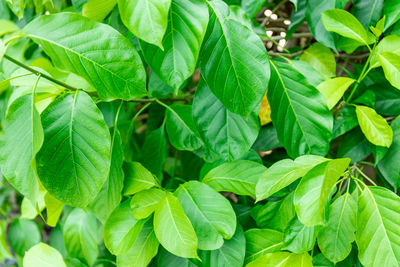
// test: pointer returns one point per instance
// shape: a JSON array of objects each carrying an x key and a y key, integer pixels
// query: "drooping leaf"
[
  {"x": 209, "y": 212},
  {"x": 187, "y": 25},
  {"x": 54, "y": 208},
  {"x": 262, "y": 241},
  {"x": 81, "y": 236},
  {"x": 374, "y": 127},
  {"x": 391, "y": 66},
  {"x": 313, "y": 190},
  {"x": 233, "y": 62},
  {"x": 298, "y": 237},
  {"x": 94, "y": 51},
  {"x": 121, "y": 229},
  {"x": 137, "y": 178},
  {"x": 146, "y": 19},
  {"x": 335, "y": 238},
  {"x": 299, "y": 113},
  {"x": 377, "y": 227},
  {"x": 74, "y": 161},
  {"x": 144, "y": 203},
  {"x": 333, "y": 89},
  {"x": 282, "y": 259},
  {"x": 321, "y": 59},
  {"x": 43, "y": 255},
  {"x": 239, "y": 177},
  {"x": 98, "y": 9},
  {"x": 173, "y": 228},
  {"x": 21, "y": 141}
]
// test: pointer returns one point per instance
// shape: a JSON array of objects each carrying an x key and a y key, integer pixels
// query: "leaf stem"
[{"x": 365, "y": 176}]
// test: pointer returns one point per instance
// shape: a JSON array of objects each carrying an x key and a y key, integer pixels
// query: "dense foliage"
[{"x": 199, "y": 133}]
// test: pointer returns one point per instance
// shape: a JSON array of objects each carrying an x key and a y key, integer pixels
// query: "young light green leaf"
[
  {"x": 333, "y": 89},
  {"x": 335, "y": 238},
  {"x": 94, "y": 51},
  {"x": 173, "y": 228},
  {"x": 345, "y": 24},
  {"x": 144, "y": 203},
  {"x": 143, "y": 250},
  {"x": 262, "y": 241},
  {"x": 2, "y": 50},
  {"x": 298, "y": 237},
  {"x": 321, "y": 59},
  {"x": 4, "y": 250},
  {"x": 43, "y": 255},
  {"x": 239, "y": 177},
  {"x": 390, "y": 43},
  {"x": 282, "y": 259},
  {"x": 391, "y": 66},
  {"x": 22, "y": 139},
  {"x": 283, "y": 173},
  {"x": 22, "y": 235},
  {"x": 209, "y": 212},
  {"x": 374, "y": 127},
  {"x": 74, "y": 161},
  {"x": 187, "y": 26},
  {"x": 146, "y": 19},
  {"x": 137, "y": 178},
  {"x": 233, "y": 61},
  {"x": 98, "y": 9},
  {"x": 7, "y": 26},
  {"x": 121, "y": 229},
  {"x": 377, "y": 227},
  {"x": 302, "y": 129},
  {"x": 81, "y": 236},
  {"x": 313, "y": 190},
  {"x": 54, "y": 208}
]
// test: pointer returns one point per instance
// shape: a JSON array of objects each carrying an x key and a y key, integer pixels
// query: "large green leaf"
[
  {"x": 234, "y": 62},
  {"x": 283, "y": 173},
  {"x": 22, "y": 235},
  {"x": 334, "y": 89},
  {"x": 378, "y": 227},
  {"x": 74, "y": 161},
  {"x": 335, "y": 238},
  {"x": 321, "y": 59},
  {"x": 282, "y": 259},
  {"x": 209, "y": 212},
  {"x": 239, "y": 177},
  {"x": 391, "y": 12},
  {"x": 298, "y": 237},
  {"x": 144, "y": 203},
  {"x": 147, "y": 19},
  {"x": 121, "y": 229},
  {"x": 368, "y": 12},
  {"x": 173, "y": 228},
  {"x": 43, "y": 255},
  {"x": 299, "y": 113},
  {"x": 313, "y": 190},
  {"x": 187, "y": 26},
  {"x": 22, "y": 139},
  {"x": 391, "y": 66},
  {"x": 94, "y": 51},
  {"x": 81, "y": 236},
  {"x": 262, "y": 241},
  {"x": 137, "y": 178},
  {"x": 374, "y": 127},
  {"x": 227, "y": 135}
]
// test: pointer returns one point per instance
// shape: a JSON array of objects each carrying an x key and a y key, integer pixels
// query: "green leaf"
[
  {"x": 391, "y": 66},
  {"x": 22, "y": 235},
  {"x": 74, "y": 161},
  {"x": 17, "y": 7},
  {"x": 262, "y": 241},
  {"x": 345, "y": 24},
  {"x": 137, "y": 178},
  {"x": 283, "y": 173},
  {"x": 335, "y": 238},
  {"x": 2, "y": 50},
  {"x": 182, "y": 132},
  {"x": 7, "y": 26},
  {"x": 282, "y": 259},
  {"x": 391, "y": 12},
  {"x": 209, "y": 212},
  {"x": 173, "y": 228},
  {"x": 233, "y": 61},
  {"x": 334, "y": 89},
  {"x": 377, "y": 227},
  {"x": 239, "y": 177},
  {"x": 43, "y": 255},
  {"x": 22, "y": 139},
  {"x": 110, "y": 194},
  {"x": 54, "y": 208},
  {"x": 321, "y": 59},
  {"x": 94, "y": 51},
  {"x": 142, "y": 251},
  {"x": 81, "y": 236},
  {"x": 182, "y": 41},
  {"x": 4, "y": 250},
  {"x": 374, "y": 127},
  {"x": 298, "y": 237},
  {"x": 121, "y": 229},
  {"x": 147, "y": 19},
  {"x": 302, "y": 129},
  {"x": 144, "y": 203},
  {"x": 390, "y": 43},
  {"x": 98, "y": 9},
  {"x": 227, "y": 135},
  {"x": 154, "y": 151},
  {"x": 368, "y": 12},
  {"x": 231, "y": 254},
  {"x": 313, "y": 190},
  {"x": 345, "y": 120}
]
